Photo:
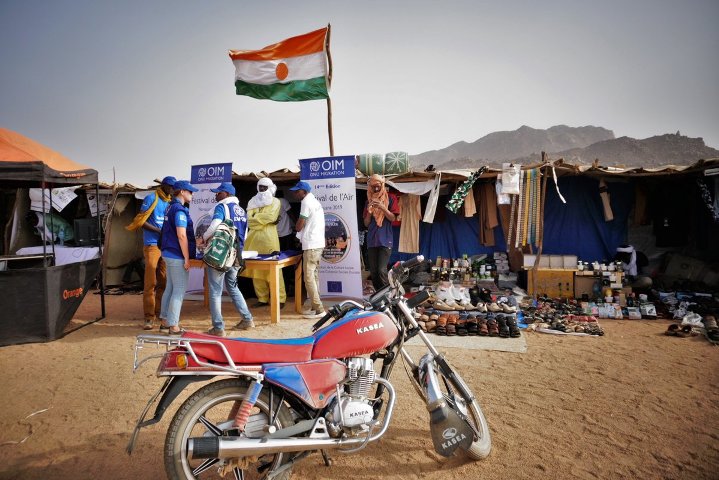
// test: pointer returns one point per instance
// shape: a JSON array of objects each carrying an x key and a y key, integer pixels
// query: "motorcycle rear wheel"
[
  {"x": 213, "y": 403},
  {"x": 469, "y": 407}
]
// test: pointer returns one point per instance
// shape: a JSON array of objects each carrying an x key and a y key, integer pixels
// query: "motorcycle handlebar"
[
  {"x": 321, "y": 321},
  {"x": 413, "y": 262},
  {"x": 418, "y": 299}
]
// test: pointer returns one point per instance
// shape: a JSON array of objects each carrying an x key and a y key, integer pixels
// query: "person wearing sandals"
[
  {"x": 379, "y": 213},
  {"x": 178, "y": 246},
  {"x": 226, "y": 201}
]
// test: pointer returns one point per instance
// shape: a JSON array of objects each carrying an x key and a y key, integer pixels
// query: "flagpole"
[{"x": 329, "y": 102}]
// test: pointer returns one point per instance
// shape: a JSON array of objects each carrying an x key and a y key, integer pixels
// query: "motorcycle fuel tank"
[{"x": 357, "y": 333}]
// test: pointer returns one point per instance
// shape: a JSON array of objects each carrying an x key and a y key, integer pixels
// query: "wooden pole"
[{"x": 329, "y": 84}]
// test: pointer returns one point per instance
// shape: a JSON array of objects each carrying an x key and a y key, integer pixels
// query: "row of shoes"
[
  {"x": 570, "y": 326},
  {"x": 453, "y": 298},
  {"x": 494, "y": 325}
]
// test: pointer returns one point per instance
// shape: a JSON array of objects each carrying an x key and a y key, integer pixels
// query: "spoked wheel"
[
  {"x": 210, "y": 412},
  {"x": 469, "y": 407}
]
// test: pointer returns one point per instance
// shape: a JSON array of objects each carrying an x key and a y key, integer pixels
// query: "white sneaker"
[{"x": 314, "y": 314}]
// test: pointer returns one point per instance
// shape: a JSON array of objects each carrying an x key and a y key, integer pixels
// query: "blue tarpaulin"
[{"x": 575, "y": 228}]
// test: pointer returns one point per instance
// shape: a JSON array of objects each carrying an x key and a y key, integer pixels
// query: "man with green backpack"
[{"x": 223, "y": 264}]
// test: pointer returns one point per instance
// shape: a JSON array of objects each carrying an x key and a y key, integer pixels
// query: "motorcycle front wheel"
[
  {"x": 210, "y": 411},
  {"x": 450, "y": 382}
]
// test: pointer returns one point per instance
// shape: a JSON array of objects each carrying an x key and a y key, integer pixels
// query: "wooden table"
[{"x": 274, "y": 267}]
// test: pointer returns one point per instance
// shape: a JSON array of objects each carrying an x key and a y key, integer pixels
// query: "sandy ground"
[{"x": 632, "y": 404}]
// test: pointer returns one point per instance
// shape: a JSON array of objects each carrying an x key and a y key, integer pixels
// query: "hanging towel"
[
  {"x": 409, "y": 229},
  {"x": 470, "y": 207},
  {"x": 433, "y": 198},
  {"x": 486, "y": 197}
]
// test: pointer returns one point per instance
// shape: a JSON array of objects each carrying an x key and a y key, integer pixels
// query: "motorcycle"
[{"x": 271, "y": 402}]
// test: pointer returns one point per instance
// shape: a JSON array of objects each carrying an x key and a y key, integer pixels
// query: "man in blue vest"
[
  {"x": 150, "y": 219},
  {"x": 227, "y": 203}
]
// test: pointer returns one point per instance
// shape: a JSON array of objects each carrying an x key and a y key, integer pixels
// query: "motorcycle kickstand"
[{"x": 326, "y": 458}]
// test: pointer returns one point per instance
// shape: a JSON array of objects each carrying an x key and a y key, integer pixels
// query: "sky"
[{"x": 140, "y": 89}]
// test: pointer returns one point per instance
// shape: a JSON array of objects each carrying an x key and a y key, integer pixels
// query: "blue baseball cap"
[
  {"x": 302, "y": 185},
  {"x": 224, "y": 187},
  {"x": 184, "y": 185},
  {"x": 169, "y": 181}
]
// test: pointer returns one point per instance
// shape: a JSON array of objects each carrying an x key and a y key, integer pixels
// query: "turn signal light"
[{"x": 181, "y": 361}]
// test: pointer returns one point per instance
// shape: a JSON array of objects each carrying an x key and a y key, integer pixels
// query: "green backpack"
[{"x": 220, "y": 252}]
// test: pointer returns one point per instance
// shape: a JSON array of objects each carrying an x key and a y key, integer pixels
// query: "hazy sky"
[{"x": 146, "y": 86}]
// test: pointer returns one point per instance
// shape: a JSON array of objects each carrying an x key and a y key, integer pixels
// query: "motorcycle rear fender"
[{"x": 172, "y": 387}]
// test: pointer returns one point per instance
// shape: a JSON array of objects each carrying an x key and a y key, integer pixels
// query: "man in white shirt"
[{"x": 311, "y": 232}]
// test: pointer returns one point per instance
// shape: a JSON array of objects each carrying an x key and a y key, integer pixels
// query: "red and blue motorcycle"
[{"x": 271, "y": 403}]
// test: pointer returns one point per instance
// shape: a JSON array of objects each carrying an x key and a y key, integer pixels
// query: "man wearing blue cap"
[
  {"x": 228, "y": 206},
  {"x": 150, "y": 219},
  {"x": 311, "y": 232}
]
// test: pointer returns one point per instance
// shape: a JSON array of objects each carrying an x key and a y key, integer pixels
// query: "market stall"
[{"x": 43, "y": 287}]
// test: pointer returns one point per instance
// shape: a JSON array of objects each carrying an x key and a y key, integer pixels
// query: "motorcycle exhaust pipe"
[{"x": 235, "y": 447}]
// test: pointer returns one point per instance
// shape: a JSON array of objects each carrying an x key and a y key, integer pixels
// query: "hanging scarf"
[
  {"x": 458, "y": 196},
  {"x": 263, "y": 199},
  {"x": 142, "y": 217},
  {"x": 631, "y": 267},
  {"x": 380, "y": 197}
]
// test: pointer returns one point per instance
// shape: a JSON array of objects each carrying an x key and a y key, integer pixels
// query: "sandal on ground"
[
  {"x": 710, "y": 322},
  {"x": 503, "y": 328},
  {"x": 712, "y": 335},
  {"x": 472, "y": 327},
  {"x": 492, "y": 327},
  {"x": 673, "y": 330},
  {"x": 513, "y": 328},
  {"x": 462, "y": 327},
  {"x": 482, "y": 325}
]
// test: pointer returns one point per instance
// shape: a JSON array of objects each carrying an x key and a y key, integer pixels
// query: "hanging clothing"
[
  {"x": 433, "y": 198},
  {"x": 409, "y": 229},
  {"x": 461, "y": 192},
  {"x": 470, "y": 207},
  {"x": 485, "y": 196}
]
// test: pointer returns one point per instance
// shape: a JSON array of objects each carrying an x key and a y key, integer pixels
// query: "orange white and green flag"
[{"x": 292, "y": 70}]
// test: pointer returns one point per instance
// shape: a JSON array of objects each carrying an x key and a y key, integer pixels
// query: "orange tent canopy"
[{"x": 22, "y": 158}]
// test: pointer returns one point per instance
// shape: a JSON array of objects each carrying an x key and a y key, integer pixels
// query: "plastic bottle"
[{"x": 61, "y": 236}]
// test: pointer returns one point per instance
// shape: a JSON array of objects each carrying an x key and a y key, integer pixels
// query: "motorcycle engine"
[{"x": 353, "y": 411}]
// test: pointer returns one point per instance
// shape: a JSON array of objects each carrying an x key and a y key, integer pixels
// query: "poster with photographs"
[
  {"x": 333, "y": 183},
  {"x": 204, "y": 177}
]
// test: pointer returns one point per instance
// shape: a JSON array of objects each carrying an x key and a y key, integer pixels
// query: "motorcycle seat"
[{"x": 252, "y": 351}]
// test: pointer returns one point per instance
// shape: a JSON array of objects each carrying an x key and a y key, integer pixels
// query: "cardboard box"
[
  {"x": 555, "y": 261},
  {"x": 569, "y": 261},
  {"x": 552, "y": 282}
]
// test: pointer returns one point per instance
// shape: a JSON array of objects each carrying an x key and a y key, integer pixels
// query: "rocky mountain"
[
  {"x": 667, "y": 149},
  {"x": 507, "y": 146},
  {"x": 499, "y": 147}
]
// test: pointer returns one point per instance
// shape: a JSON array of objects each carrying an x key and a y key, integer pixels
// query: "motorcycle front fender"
[{"x": 172, "y": 387}]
